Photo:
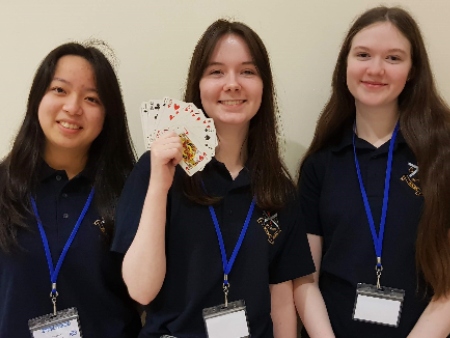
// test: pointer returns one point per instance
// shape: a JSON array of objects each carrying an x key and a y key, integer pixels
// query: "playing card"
[
  {"x": 209, "y": 134},
  {"x": 149, "y": 115},
  {"x": 197, "y": 133},
  {"x": 144, "y": 121},
  {"x": 195, "y": 157}
]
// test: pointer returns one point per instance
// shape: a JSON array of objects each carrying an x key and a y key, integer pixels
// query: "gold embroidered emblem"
[
  {"x": 412, "y": 182},
  {"x": 101, "y": 224},
  {"x": 270, "y": 225}
]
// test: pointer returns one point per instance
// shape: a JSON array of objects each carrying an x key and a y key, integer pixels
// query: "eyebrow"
[
  {"x": 221, "y": 63},
  {"x": 68, "y": 82},
  {"x": 393, "y": 50}
]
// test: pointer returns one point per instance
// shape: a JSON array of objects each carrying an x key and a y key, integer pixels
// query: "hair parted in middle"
[
  {"x": 271, "y": 182},
  {"x": 425, "y": 125},
  {"x": 111, "y": 155}
]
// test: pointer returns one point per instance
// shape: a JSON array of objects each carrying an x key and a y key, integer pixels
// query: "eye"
[
  {"x": 93, "y": 99},
  {"x": 362, "y": 55},
  {"x": 393, "y": 58},
  {"x": 57, "y": 90},
  {"x": 249, "y": 72},
  {"x": 215, "y": 72}
]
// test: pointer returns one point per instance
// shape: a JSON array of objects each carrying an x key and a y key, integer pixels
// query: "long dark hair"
[
  {"x": 425, "y": 125},
  {"x": 271, "y": 182},
  {"x": 111, "y": 155}
]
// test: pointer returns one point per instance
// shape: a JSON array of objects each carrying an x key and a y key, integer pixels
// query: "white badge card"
[
  {"x": 65, "y": 324},
  {"x": 227, "y": 322},
  {"x": 379, "y": 306}
]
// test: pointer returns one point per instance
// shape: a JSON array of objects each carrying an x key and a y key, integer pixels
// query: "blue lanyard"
[
  {"x": 377, "y": 239},
  {"x": 228, "y": 264},
  {"x": 54, "y": 271}
]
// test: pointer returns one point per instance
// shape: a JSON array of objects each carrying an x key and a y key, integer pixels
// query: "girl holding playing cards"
[
  {"x": 206, "y": 252},
  {"x": 58, "y": 189},
  {"x": 375, "y": 190}
]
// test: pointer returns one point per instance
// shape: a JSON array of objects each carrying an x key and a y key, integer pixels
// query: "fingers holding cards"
[
  {"x": 197, "y": 134},
  {"x": 167, "y": 149}
]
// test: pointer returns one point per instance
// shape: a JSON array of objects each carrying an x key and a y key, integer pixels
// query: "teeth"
[
  {"x": 232, "y": 102},
  {"x": 69, "y": 125}
]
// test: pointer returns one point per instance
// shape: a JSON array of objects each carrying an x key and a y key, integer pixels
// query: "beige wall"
[{"x": 154, "y": 41}]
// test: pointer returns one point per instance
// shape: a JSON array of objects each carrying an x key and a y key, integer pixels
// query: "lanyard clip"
[
  {"x": 53, "y": 295},
  {"x": 378, "y": 269},
  {"x": 226, "y": 287}
]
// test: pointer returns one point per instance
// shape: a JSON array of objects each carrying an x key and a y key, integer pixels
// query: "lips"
[
  {"x": 374, "y": 83},
  {"x": 69, "y": 125},
  {"x": 231, "y": 102}
]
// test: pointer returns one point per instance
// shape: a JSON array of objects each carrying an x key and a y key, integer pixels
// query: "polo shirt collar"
[
  {"x": 221, "y": 173},
  {"x": 347, "y": 141},
  {"x": 45, "y": 172}
]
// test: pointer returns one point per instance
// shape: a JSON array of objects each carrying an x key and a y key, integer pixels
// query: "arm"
[
  {"x": 308, "y": 298},
  {"x": 283, "y": 313},
  {"x": 144, "y": 264},
  {"x": 434, "y": 321}
]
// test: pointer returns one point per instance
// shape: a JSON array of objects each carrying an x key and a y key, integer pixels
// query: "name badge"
[
  {"x": 227, "y": 322},
  {"x": 65, "y": 324},
  {"x": 379, "y": 306}
]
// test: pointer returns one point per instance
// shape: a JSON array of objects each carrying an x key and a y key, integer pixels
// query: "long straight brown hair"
[
  {"x": 271, "y": 183},
  {"x": 425, "y": 125}
]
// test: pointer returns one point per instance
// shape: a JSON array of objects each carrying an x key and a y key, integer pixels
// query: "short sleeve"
[
  {"x": 293, "y": 260},
  {"x": 309, "y": 190},
  {"x": 129, "y": 207}
]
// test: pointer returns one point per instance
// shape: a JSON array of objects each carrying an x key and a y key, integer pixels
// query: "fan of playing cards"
[{"x": 197, "y": 132}]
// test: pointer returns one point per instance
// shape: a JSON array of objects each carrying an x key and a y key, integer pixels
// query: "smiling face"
[
  {"x": 378, "y": 66},
  {"x": 70, "y": 113},
  {"x": 231, "y": 87}
]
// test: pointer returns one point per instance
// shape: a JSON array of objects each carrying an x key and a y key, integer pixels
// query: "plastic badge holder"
[
  {"x": 227, "y": 322},
  {"x": 64, "y": 325},
  {"x": 381, "y": 306}
]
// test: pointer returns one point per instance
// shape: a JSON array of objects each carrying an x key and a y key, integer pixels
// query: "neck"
[
  {"x": 71, "y": 162},
  {"x": 232, "y": 150},
  {"x": 376, "y": 125}
]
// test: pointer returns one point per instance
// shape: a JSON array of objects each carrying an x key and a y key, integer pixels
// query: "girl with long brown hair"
[
  {"x": 375, "y": 190},
  {"x": 167, "y": 224}
]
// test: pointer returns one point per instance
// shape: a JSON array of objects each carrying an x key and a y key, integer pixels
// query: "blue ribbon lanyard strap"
[
  {"x": 228, "y": 264},
  {"x": 377, "y": 239},
  {"x": 54, "y": 271}
]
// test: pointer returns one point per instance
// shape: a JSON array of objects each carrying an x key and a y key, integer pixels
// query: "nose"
[
  {"x": 72, "y": 105},
  {"x": 231, "y": 83},
  {"x": 376, "y": 67}
]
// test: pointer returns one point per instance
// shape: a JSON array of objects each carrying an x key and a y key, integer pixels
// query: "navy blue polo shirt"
[
  {"x": 194, "y": 273},
  {"x": 89, "y": 279},
  {"x": 332, "y": 207}
]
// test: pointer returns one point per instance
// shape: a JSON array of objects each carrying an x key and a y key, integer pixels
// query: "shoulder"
[
  {"x": 143, "y": 165},
  {"x": 317, "y": 163},
  {"x": 144, "y": 162}
]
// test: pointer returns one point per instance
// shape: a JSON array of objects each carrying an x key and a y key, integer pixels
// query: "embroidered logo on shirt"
[
  {"x": 101, "y": 224},
  {"x": 270, "y": 225},
  {"x": 411, "y": 179}
]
